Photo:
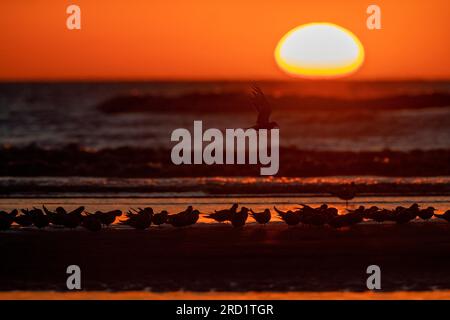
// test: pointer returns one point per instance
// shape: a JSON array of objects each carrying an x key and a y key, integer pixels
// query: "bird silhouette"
[
  {"x": 160, "y": 218},
  {"x": 445, "y": 216},
  {"x": 7, "y": 219},
  {"x": 340, "y": 222},
  {"x": 327, "y": 212},
  {"x": 382, "y": 215},
  {"x": 356, "y": 216},
  {"x": 184, "y": 218},
  {"x": 177, "y": 220},
  {"x": 40, "y": 220},
  {"x": 290, "y": 217},
  {"x": 24, "y": 219},
  {"x": 264, "y": 110},
  {"x": 73, "y": 218},
  {"x": 315, "y": 216},
  {"x": 371, "y": 212},
  {"x": 240, "y": 217},
  {"x": 56, "y": 217},
  {"x": 77, "y": 211},
  {"x": 188, "y": 210},
  {"x": 427, "y": 213},
  {"x": 346, "y": 193},
  {"x": 404, "y": 215},
  {"x": 92, "y": 222},
  {"x": 261, "y": 217},
  {"x": 142, "y": 218},
  {"x": 223, "y": 215},
  {"x": 139, "y": 220},
  {"x": 108, "y": 218},
  {"x": 193, "y": 217}
]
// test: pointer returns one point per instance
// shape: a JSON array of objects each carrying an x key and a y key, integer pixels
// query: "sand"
[{"x": 275, "y": 258}]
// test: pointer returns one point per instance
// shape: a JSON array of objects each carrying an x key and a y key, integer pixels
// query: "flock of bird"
[{"x": 143, "y": 218}]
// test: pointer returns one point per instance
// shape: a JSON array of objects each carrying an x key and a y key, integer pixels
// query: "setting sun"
[{"x": 319, "y": 50}]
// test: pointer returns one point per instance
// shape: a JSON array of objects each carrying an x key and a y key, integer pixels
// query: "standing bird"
[
  {"x": 74, "y": 218},
  {"x": 91, "y": 222},
  {"x": 223, "y": 215},
  {"x": 356, "y": 216},
  {"x": 188, "y": 210},
  {"x": 291, "y": 218},
  {"x": 177, "y": 220},
  {"x": 264, "y": 110},
  {"x": 427, "y": 213},
  {"x": 108, "y": 218},
  {"x": 371, "y": 212},
  {"x": 193, "y": 217},
  {"x": 346, "y": 193},
  {"x": 7, "y": 219},
  {"x": 383, "y": 215},
  {"x": 40, "y": 220},
  {"x": 314, "y": 216},
  {"x": 445, "y": 216},
  {"x": 184, "y": 218},
  {"x": 239, "y": 218},
  {"x": 404, "y": 215},
  {"x": 341, "y": 221},
  {"x": 24, "y": 219},
  {"x": 261, "y": 217},
  {"x": 57, "y": 217},
  {"x": 139, "y": 220},
  {"x": 160, "y": 218}
]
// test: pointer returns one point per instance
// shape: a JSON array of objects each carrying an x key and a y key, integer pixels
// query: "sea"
[{"x": 53, "y": 115}]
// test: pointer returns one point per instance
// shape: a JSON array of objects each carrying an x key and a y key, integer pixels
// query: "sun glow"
[{"x": 319, "y": 50}]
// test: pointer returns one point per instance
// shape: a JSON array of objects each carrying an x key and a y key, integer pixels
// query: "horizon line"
[{"x": 212, "y": 80}]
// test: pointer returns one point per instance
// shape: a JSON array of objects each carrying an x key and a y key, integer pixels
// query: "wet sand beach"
[
  {"x": 276, "y": 258},
  {"x": 107, "y": 146},
  {"x": 213, "y": 295}
]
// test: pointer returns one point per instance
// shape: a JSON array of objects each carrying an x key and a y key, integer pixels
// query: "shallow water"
[
  {"x": 209, "y": 204},
  {"x": 182, "y": 187},
  {"x": 187, "y": 295}
]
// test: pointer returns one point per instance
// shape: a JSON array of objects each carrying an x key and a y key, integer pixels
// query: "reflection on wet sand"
[
  {"x": 215, "y": 257},
  {"x": 210, "y": 204},
  {"x": 186, "y": 295}
]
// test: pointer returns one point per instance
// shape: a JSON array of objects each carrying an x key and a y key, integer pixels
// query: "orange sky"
[{"x": 203, "y": 40}]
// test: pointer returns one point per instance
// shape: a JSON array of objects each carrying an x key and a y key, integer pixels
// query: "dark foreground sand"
[{"x": 217, "y": 257}]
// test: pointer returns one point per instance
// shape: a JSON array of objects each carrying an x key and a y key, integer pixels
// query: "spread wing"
[{"x": 261, "y": 105}]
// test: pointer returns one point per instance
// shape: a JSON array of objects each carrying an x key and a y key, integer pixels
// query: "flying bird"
[{"x": 264, "y": 110}]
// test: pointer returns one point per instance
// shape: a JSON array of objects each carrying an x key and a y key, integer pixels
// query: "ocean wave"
[
  {"x": 239, "y": 102},
  {"x": 133, "y": 162}
]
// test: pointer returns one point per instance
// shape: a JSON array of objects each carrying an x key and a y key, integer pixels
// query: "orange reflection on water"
[{"x": 187, "y": 295}]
